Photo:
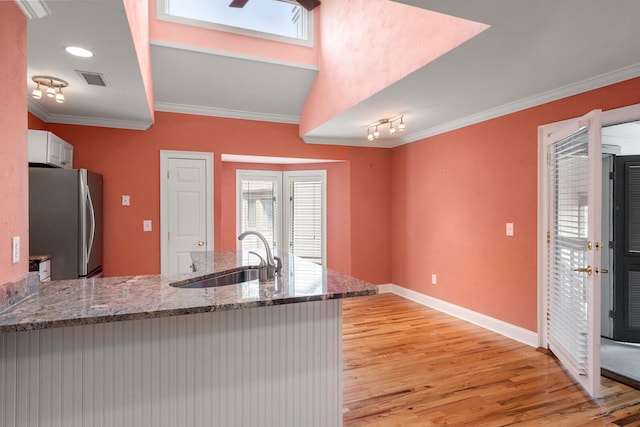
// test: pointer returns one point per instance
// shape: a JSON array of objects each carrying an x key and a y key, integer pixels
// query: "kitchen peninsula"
[{"x": 138, "y": 351}]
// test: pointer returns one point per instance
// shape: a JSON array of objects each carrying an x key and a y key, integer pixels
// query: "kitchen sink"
[{"x": 231, "y": 277}]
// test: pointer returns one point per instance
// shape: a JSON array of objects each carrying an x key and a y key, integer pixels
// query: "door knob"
[
  {"x": 200, "y": 243},
  {"x": 587, "y": 270}
]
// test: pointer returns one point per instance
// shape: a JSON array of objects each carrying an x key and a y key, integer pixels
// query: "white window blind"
[
  {"x": 305, "y": 225},
  {"x": 568, "y": 192}
]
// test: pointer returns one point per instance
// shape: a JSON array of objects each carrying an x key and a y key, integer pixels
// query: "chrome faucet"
[{"x": 274, "y": 264}]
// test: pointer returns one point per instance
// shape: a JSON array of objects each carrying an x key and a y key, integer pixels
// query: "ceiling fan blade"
[
  {"x": 309, "y": 4},
  {"x": 238, "y": 3}
]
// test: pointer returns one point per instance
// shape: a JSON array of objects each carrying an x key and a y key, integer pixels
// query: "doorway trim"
[
  {"x": 610, "y": 117},
  {"x": 165, "y": 155}
]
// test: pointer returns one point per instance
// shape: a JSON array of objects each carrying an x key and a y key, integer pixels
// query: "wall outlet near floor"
[
  {"x": 126, "y": 200},
  {"x": 15, "y": 249},
  {"x": 434, "y": 280},
  {"x": 146, "y": 225}
]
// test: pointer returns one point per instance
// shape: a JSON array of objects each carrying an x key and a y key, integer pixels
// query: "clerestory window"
[{"x": 280, "y": 20}]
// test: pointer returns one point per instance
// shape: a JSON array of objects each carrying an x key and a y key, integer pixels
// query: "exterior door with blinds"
[
  {"x": 258, "y": 208},
  {"x": 305, "y": 217},
  {"x": 573, "y": 252}
]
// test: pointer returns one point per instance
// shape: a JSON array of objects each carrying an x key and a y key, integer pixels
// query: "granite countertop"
[{"x": 90, "y": 301}]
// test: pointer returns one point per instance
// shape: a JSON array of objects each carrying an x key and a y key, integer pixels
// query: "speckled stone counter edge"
[
  {"x": 51, "y": 304},
  {"x": 12, "y": 293},
  {"x": 39, "y": 325}
]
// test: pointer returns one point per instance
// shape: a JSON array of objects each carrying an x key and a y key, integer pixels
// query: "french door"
[
  {"x": 288, "y": 208},
  {"x": 572, "y": 211}
]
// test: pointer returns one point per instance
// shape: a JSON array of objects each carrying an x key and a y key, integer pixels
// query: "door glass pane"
[
  {"x": 259, "y": 212},
  {"x": 568, "y": 180},
  {"x": 305, "y": 228}
]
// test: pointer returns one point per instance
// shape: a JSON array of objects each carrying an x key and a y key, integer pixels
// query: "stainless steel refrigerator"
[{"x": 65, "y": 220}]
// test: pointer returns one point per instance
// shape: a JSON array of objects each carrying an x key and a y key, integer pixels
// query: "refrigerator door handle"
[{"x": 93, "y": 223}]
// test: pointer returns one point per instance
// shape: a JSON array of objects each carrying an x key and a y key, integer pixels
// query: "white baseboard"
[{"x": 508, "y": 330}]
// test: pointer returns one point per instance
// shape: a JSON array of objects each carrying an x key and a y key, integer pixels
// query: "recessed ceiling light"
[{"x": 78, "y": 51}]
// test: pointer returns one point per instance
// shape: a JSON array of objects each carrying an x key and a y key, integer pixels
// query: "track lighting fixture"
[
  {"x": 392, "y": 129},
  {"x": 53, "y": 86}
]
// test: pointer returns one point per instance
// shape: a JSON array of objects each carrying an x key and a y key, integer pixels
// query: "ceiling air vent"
[{"x": 93, "y": 79}]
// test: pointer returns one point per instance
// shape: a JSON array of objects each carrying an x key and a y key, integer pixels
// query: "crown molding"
[
  {"x": 392, "y": 142},
  {"x": 224, "y": 112},
  {"x": 586, "y": 85},
  {"x": 47, "y": 117},
  {"x": 33, "y": 9}
]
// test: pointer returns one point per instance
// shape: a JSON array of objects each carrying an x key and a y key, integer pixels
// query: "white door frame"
[
  {"x": 165, "y": 155},
  {"x": 611, "y": 117}
]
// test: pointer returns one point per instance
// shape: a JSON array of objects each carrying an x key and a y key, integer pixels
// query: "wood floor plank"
[{"x": 409, "y": 365}]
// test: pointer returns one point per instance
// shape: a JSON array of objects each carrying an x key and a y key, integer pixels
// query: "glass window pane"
[{"x": 279, "y": 17}]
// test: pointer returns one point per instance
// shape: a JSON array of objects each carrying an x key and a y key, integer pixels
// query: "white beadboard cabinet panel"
[{"x": 266, "y": 366}]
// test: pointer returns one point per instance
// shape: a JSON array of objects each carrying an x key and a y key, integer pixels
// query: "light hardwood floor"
[{"x": 409, "y": 365}]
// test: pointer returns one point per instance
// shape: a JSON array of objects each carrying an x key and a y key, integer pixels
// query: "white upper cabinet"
[{"x": 49, "y": 149}]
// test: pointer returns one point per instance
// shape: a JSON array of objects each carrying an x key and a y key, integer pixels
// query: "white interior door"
[
  {"x": 574, "y": 246},
  {"x": 186, "y": 212}
]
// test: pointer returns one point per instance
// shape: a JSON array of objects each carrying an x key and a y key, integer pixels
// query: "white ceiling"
[
  {"x": 102, "y": 26},
  {"x": 535, "y": 51}
]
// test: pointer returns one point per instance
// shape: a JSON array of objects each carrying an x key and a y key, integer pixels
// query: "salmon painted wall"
[
  {"x": 14, "y": 173},
  {"x": 370, "y": 211},
  {"x": 130, "y": 163},
  {"x": 138, "y": 16},
  {"x": 34, "y": 122},
  {"x": 366, "y": 45},
  {"x": 452, "y": 194},
  {"x": 338, "y": 207},
  {"x": 172, "y": 32}
]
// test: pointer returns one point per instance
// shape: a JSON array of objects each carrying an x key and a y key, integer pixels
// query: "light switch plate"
[
  {"x": 509, "y": 229},
  {"x": 15, "y": 249},
  {"x": 126, "y": 200},
  {"x": 434, "y": 280},
  {"x": 146, "y": 225}
]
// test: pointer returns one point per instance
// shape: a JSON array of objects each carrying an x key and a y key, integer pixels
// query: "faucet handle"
[
  {"x": 262, "y": 263},
  {"x": 263, "y": 270},
  {"x": 278, "y": 264}
]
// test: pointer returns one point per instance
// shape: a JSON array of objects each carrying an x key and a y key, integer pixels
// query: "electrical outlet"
[
  {"x": 126, "y": 200},
  {"x": 509, "y": 229},
  {"x": 146, "y": 225},
  {"x": 15, "y": 249},
  {"x": 434, "y": 280}
]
